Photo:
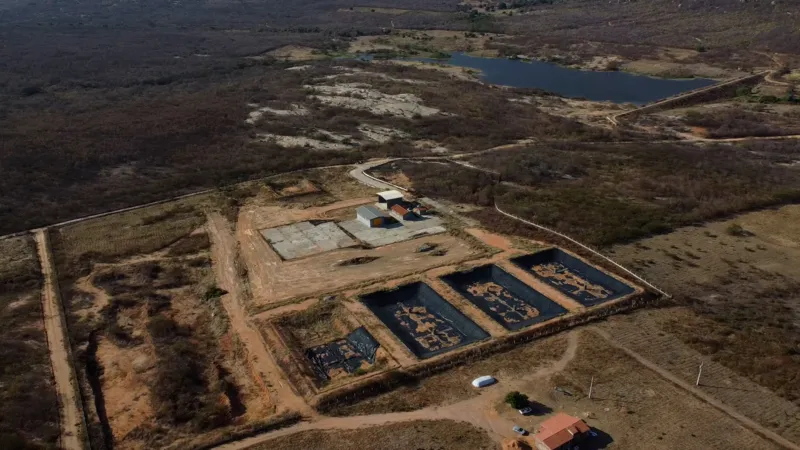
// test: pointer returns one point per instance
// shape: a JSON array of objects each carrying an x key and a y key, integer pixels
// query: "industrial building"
[
  {"x": 561, "y": 432},
  {"x": 372, "y": 216},
  {"x": 400, "y": 212},
  {"x": 387, "y": 199}
]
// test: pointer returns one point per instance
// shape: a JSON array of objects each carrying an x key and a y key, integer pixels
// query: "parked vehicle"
[
  {"x": 520, "y": 430},
  {"x": 526, "y": 410}
]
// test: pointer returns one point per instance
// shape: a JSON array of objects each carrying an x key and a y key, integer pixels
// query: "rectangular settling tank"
[
  {"x": 510, "y": 302},
  {"x": 578, "y": 280},
  {"x": 424, "y": 321}
]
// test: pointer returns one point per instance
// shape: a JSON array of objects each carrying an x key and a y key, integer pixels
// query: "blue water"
[{"x": 618, "y": 87}]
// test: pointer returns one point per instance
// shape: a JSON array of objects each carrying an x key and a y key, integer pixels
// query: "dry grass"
[
  {"x": 126, "y": 234},
  {"x": 428, "y": 434},
  {"x": 742, "y": 291},
  {"x": 28, "y": 404}
]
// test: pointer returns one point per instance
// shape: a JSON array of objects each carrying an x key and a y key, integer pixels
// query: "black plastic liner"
[
  {"x": 507, "y": 300},
  {"x": 583, "y": 283},
  {"x": 348, "y": 354},
  {"x": 425, "y": 322}
]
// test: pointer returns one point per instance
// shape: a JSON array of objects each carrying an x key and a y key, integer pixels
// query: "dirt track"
[
  {"x": 224, "y": 250},
  {"x": 478, "y": 411},
  {"x": 71, "y": 417}
]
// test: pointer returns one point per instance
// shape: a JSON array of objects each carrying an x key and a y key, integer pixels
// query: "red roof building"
[
  {"x": 559, "y": 431},
  {"x": 402, "y": 213}
]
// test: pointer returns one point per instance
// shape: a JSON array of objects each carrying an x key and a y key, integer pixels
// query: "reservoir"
[{"x": 617, "y": 87}]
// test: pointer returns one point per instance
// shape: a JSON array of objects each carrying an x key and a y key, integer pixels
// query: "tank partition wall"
[
  {"x": 507, "y": 300},
  {"x": 424, "y": 321},
  {"x": 348, "y": 354},
  {"x": 578, "y": 280}
]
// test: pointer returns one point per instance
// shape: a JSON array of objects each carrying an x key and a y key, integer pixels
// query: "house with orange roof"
[{"x": 560, "y": 432}]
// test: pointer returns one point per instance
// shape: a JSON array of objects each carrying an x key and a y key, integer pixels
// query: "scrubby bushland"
[
  {"x": 605, "y": 194},
  {"x": 735, "y": 122},
  {"x": 28, "y": 402}
]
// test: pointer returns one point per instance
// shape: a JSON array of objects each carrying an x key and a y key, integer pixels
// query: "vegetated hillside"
[
  {"x": 29, "y": 413},
  {"x": 706, "y": 24},
  {"x": 610, "y": 193}
]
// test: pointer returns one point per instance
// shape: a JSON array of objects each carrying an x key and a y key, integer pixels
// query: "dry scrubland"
[
  {"x": 622, "y": 192},
  {"x": 421, "y": 435},
  {"x": 157, "y": 363},
  {"x": 736, "y": 286},
  {"x": 266, "y": 120},
  {"x": 29, "y": 416}
]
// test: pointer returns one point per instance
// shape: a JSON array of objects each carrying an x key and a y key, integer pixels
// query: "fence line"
[{"x": 586, "y": 247}]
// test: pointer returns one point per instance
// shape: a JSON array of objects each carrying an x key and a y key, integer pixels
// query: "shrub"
[
  {"x": 516, "y": 400},
  {"x": 214, "y": 292},
  {"x": 735, "y": 229}
]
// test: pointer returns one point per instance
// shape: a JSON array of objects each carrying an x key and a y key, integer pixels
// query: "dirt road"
[
  {"x": 60, "y": 355},
  {"x": 224, "y": 250},
  {"x": 478, "y": 411},
  {"x": 747, "y": 423}
]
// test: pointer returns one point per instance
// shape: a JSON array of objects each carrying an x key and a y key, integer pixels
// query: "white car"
[
  {"x": 520, "y": 430},
  {"x": 526, "y": 410}
]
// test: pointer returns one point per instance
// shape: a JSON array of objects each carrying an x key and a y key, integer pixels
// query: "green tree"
[{"x": 516, "y": 400}]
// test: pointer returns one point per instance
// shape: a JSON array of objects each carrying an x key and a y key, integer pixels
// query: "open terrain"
[
  {"x": 29, "y": 408},
  {"x": 736, "y": 293},
  {"x": 157, "y": 361},
  {"x": 257, "y": 311}
]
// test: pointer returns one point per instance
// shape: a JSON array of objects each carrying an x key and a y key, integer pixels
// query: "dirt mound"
[{"x": 514, "y": 444}]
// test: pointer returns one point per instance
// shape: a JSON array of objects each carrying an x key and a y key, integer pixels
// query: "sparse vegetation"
[{"x": 29, "y": 414}]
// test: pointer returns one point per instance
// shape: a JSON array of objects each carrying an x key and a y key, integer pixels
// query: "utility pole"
[
  {"x": 699, "y": 372},
  {"x": 591, "y": 385}
]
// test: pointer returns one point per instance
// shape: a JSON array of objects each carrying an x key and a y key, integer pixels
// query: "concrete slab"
[
  {"x": 402, "y": 231},
  {"x": 304, "y": 239}
]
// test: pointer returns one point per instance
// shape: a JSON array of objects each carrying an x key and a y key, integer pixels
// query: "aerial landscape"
[{"x": 428, "y": 224}]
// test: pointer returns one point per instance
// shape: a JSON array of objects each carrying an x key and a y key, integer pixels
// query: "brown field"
[
  {"x": 159, "y": 363},
  {"x": 425, "y": 434},
  {"x": 736, "y": 291}
]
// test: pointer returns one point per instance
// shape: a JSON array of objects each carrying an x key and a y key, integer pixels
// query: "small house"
[
  {"x": 387, "y": 199},
  {"x": 400, "y": 212},
  {"x": 560, "y": 432},
  {"x": 371, "y": 216}
]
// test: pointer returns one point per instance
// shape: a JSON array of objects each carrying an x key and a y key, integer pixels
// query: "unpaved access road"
[
  {"x": 224, "y": 250},
  {"x": 478, "y": 411},
  {"x": 60, "y": 356}
]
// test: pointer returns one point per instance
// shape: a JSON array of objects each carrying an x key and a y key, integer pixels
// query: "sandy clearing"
[
  {"x": 125, "y": 386},
  {"x": 381, "y": 134},
  {"x": 302, "y": 141},
  {"x": 383, "y": 76},
  {"x": 256, "y": 115},
  {"x": 358, "y": 96}
]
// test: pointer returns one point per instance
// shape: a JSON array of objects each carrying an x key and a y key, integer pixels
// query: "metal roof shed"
[{"x": 389, "y": 198}]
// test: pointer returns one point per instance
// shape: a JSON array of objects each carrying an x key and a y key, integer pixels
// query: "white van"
[{"x": 483, "y": 381}]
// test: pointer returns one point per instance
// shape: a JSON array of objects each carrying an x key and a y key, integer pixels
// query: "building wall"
[{"x": 364, "y": 220}]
